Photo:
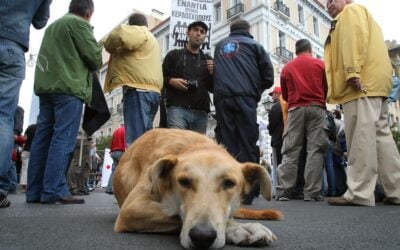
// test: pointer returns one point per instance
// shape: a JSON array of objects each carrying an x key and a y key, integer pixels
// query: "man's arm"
[
  {"x": 125, "y": 37},
  {"x": 42, "y": 15},
  {"x": 354, "y": 38},
  {"x": 266, "y": 70},
  {"x": 87, "y": 46}
]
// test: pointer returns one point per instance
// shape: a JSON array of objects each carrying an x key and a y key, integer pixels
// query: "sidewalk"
[{"x": 307, "y": 225}]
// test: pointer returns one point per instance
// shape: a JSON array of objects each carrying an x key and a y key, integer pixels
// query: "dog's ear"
[
  {"x": 254, "y": 173},
  {"x": 160, "y": 174}
]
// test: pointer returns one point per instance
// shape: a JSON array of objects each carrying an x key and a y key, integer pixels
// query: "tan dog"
[{"x": 173, "y": 180}]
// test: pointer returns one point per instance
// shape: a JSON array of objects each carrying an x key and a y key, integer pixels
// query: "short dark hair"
[
  {"x": 303, "y": 45},
  {"x": 137, "y": 19},
  {"x": 81, "y": 7},
  {"x": 240, "y": 24}
]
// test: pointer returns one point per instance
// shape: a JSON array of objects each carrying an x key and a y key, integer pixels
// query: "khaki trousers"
[
  {"x": 304, "y": 123},
  {"x": 372, "y": 152}
]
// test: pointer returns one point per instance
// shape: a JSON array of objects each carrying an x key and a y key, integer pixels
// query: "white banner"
[
  {"x": 107, "y": 167},
  {"x": 185, "y": 12}
]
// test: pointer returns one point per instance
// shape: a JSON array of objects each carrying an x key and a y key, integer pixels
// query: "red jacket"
[
  {"x": 118, "y": 140},
  {"x": 303, "y": 82}
]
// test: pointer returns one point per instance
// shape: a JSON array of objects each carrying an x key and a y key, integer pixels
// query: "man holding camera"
[{"x": 188, "y": 79}]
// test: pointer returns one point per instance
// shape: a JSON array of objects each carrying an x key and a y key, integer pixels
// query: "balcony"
[
  {"x": 235, "y": 11},
  {"x": 282, "y": 10},
  {"x": 285, "y": 54}
]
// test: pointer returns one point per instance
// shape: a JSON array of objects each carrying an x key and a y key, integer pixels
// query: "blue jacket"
[
  {"x": 242, "y": 67},
  {"x": 16, "y": 17}
]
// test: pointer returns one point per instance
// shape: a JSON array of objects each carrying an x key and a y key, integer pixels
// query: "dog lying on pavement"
[{"x": 173, "y": 180}]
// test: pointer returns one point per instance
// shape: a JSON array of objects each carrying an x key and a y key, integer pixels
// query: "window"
[
  {"x": 235, "y": 2},
  {"x": 217, "y": 12},
  {"x": 166, "y": 48},
  {"x": 316, "y": 26},
  {"x": 301, "y": 14},
  {"x": 109, "y": 131},
  {"x": 253, "y": 3},
  {"x": 282, "y": 39}
]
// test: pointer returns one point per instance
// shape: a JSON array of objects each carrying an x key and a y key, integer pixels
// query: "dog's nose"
[{"x": 202, "y": 236}]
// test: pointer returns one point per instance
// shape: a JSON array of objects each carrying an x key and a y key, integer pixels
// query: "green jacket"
[
  {"x": 356, "y": 48},
  {"x": 69, "y": 52}
]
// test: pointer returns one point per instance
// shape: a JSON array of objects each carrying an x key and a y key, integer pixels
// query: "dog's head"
[{"x": 204, "y": 186}]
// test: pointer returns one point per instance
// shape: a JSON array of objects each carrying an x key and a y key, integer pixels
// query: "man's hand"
[
  {"x": 356, "y": 83},
  {"x": 210, "y": 66},
  {"x": 179, "y": 83}
]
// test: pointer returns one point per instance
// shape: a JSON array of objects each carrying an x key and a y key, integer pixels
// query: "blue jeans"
[
  {"x": 115, "y": 155},
  {"x": 52, "y": 147},
  {"x": 12, "y": 72},
  {"x": 186, "y": 118},
  {"x": 330, "y": 172},
  {"x": 140, "y": 108}
]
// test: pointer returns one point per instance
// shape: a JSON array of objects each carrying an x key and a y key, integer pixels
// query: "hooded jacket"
[{"x": 135, "y": 59}]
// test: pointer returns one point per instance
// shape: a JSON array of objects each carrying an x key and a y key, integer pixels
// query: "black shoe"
[
  {"x": 4, "y": 202},
  {"x": 65, "y": 201},
  {"x": 109, "y": 192}
]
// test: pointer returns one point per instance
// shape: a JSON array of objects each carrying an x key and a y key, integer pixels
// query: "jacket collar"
[{"x": 241, "y": 33}]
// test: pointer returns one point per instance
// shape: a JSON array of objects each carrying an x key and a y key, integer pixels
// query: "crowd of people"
[{"x": 353, "y": 153}]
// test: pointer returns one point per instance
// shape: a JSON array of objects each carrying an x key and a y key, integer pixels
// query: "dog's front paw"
[{"x": 249, "y": 234}]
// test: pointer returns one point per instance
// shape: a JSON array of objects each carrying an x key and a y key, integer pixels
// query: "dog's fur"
[{"x": 173, "y": 180}]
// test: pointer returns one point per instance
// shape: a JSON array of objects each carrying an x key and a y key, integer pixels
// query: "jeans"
[
  {"x": 12, "y": 72},
  {"x": 52, "y": 147},
  {"x": 186, "y": 118},
  {"x": 140, "y": 108},
  {"x": 330, "y": 173},
  {"x": 115, "y": 155}
]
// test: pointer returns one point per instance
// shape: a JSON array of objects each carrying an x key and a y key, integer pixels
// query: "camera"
[{"x": 192, "y": 84}]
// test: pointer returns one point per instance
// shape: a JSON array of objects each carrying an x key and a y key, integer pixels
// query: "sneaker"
[
  {"x": 315, "y": 198},
  {"x": 4, "y": 202},
  {"x": 283, "y": 196},
  {"x": 65, "y": 201}
]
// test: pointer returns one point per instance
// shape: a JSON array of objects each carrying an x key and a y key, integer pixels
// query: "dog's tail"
[{"x": 251, "y": 214}]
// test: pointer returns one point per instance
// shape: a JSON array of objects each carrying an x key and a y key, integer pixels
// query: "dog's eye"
[
  {"x": 185, "y": 182},
  {"x": 228, "y": 184}
]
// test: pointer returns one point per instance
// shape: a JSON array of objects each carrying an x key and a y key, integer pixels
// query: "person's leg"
[
  {"x": 293, "y": 138},
  {"x": 388, "y": 155},
  {"x": 61, "y": 147},
  {"x": 360, "y": 121},
  {"x": 330, "y": 171},
  {"x": 24, "y": 170},
  {"x": 39, "y": 149},
  {"x": 317, "y": 143},
  {"x": 149, "y": 102},
  {"x": 12, "y": 72},
  {"x": 133, "y": 119},
  {"x": 199, "y": 120},
  {"x": 225, "y": 116},
  {"x": 12, "y": 176},
  {"x": 177, "y": 117},
  {"x": 247, "y": 131}
]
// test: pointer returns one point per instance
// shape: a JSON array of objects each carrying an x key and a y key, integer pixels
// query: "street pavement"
[{"x": 307, "y": 225}]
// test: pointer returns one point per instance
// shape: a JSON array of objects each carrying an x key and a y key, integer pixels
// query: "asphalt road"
[{"x": 307, "y": 225}]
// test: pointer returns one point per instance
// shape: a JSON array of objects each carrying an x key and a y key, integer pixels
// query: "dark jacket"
[
  {"x": 16, "y": 17},
  {"x": 242, "y": 67},
  {"x": 275, "y": 125},
  {"x": 193, "y": 68}
]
